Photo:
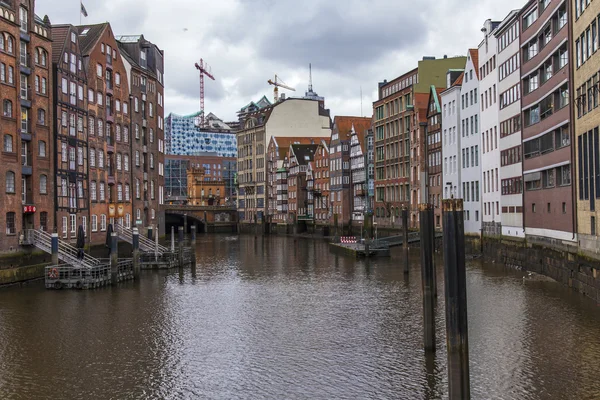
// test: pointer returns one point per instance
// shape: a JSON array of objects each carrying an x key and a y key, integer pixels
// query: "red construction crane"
[{"x": 204, "y": 70}]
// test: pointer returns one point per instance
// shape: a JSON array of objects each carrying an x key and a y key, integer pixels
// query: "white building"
[
  {"x": 511, "y": 171},
  {"x": 490, "y": 149},
  {"x": 470, "y": 144},
  {"x": 451, "y": 179}
]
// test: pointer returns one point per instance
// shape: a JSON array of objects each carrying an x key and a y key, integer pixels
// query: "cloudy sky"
[{"x": 350, "y": 43}]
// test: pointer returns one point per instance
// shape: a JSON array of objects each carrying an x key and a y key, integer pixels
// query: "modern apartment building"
[
  {"x": 144, "y": 63},
  {"x": 546, "y": 116},
  {"x": 70, "y": 133},
  {"x": 400, "y": 119},
  {"x": 434, "y": 155},
  {"x": 450, "y": 98},
  {"x": 26, "y": 123},
  {"x": 470, "y": 144},
  {"x": 109, "y": 141},
  {"x": 490, "y": 151},
  {"x": 586, "y": 65},
  {"x": 288, "y": 118},
  {"x": 509, "y": 116}
]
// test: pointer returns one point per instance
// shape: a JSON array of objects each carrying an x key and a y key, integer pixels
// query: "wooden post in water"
[
  {"x": 426, "y": 225},
  {"x": 136, "y": 252},
  {"x": 180, "y": 247},
  {"x": 185, "y": 224},
  {"x": 172, "y": 239},
  {"x": 405, "y": 238},
  {"x": 193, "y": 248},
  {"x": 457, "y": 338},
  {"x": 434, "y": 274},
  {"x": 193, "y": 235},
  {"x": 114, "y": 258},
  {"x": 54, "y": 245}
]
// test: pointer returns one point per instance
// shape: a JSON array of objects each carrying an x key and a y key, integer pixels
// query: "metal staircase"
[
  {"x": 66, "y": 253},
  {"x": 146, "y": 245}
]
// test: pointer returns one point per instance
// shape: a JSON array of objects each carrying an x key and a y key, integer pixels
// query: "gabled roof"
[
  {"x": 474, "y": 53},
  {"x": 59, "y": 36},
  {"x": 343, "y": 124},
  {"x": 421, "y": 105},
  {"x": 304, "y": 153},
  {"x": 283, "y": 143},
  {"x": 92, "y": 34},
  {"x": 459, "y": 80}
]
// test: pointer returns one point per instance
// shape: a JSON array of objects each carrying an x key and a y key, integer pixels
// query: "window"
[
  {"x": 126, "y": 134},
  {"x": 100, "y": 128},
  {"x": 126, "y": 162},
  {"x": 44, "y": 221},
  {"x": 7, "y": 108},
  {"x": 118, "y": 79},
  {"x": 103, "y": 222},
  {"x": 136, "y": 104},
  {"x": 93, "y": 194},
  {"x": 92, "y": 157},
  {"x": 10, "y": 223},
  {"x": 43, "y": 184},
  {"x": 42, "y": 148},
  {"x": 94, "y": 223},
  {"x": 23, "y": 18},
  {"x": 119, "y": 192},
  {"x": 137, "y": 158},
  {"x": 99, "y": 70},
  {"x": 150, "y": 112},
  {"x": 10, "y": 182},
  {"x": 8, "y": 143},
  {"x": 65, "y": 227},
  {"x": 100, "y": 159},
  {"x": 102, "y": 194},
  {"x": 118, "y": 158},
  {"x": 127, "y": 192}
]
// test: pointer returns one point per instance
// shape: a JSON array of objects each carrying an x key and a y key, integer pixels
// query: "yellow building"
[
  {"x": 204, "y": 190},
  {"x": 586, "y": 64}
]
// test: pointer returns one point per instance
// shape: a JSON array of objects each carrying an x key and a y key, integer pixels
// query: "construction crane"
[
  {"x": 278, "y": 83},
  {"x": 204, "y": 70}
]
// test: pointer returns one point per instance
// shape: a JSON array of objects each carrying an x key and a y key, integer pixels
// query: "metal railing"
[
  {"x": 146, "y": 245},
  {"x": 66, "y": 253}
]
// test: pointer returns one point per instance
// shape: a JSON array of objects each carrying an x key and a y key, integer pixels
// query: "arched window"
[
  {"x": 8, "y": 143},
  {"x": 2, "y": 43},
  {"x": 93, "y": 193},
  {"x": 119, "y": 156},
  {"x": 92, "y": 157},
  {"x": 41, "y": 116},
  {"x": 44, "y": 58},
  {"x": 42, "y": 148},
  {"x": 7, "y": 108},
  {"x": 10, "y": 182},
  {"x": 138, "y": 214},
  {"x": 43, "y": 184},
  {"x": 10, "y": 48},
  {"x": 100, "y": 128}
]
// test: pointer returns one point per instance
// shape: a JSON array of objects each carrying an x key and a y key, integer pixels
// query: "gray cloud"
[{"x": 351, "y": 43}]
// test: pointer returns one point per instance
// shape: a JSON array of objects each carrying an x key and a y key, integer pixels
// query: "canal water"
[{"x": 279, "y": 318}]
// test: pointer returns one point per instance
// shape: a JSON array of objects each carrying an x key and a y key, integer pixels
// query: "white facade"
[
  {"x": 451, "y": 180},
  {"x": 470, "y": 146},
  {"x": 511, "y": 171},
  {"x": 490, "y": 149}
]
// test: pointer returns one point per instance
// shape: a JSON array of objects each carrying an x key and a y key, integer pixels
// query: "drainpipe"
[{"x": 572, "y": 127}]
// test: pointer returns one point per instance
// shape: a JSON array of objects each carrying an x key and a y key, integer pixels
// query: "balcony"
[
  {"x": 145, "y": 149},
  {"x": 25, "y": 97},
  {"x": 144, "y": 123},
  {"x": 110, "y": 116},
  {"x": 109, "y": 88},
  {"x": 25, "y": 64},
  {"x": 109, "y": 59},
  {"x": 146, "y": 204},
  {"x": 145, "y": 176},
  {"x": 360, "y": 192}
]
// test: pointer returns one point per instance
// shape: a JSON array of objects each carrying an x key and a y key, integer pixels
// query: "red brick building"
[
  {"x": 145, "y": 64},
  {"x": 109, "y": 132},
  {"x": 299, "y": 156},
  {"x": 71, "y": 133},
  {"x": 26, "y": 96}
]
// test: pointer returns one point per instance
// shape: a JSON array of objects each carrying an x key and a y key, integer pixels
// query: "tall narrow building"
[
  {"x": 70, "y": 133},
  {"x": 545, "y": 74},
  {"x": 511, "y": 154},
  {"x": 109, "y": 131},
  {"x": 434, "y": 155},
  {"x": 451, "y": 132},
  {"x": 144, "y": 63},
  {"x": 585, "y": 65},
  {"x": 26, "y": 121}
]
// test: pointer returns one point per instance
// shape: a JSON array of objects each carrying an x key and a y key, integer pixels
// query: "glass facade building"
[{"x": 184, "y": 136}]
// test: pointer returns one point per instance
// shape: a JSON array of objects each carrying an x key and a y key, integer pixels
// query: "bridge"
[
  {"x": 208, "y": 219},
  {"x": 413, "y": 237}
]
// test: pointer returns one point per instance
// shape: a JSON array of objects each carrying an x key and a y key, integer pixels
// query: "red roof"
[
  {"x": 474, "y": 53},
  {"x": 343, "y": 124},
  {"x": 459, "y": 80}
]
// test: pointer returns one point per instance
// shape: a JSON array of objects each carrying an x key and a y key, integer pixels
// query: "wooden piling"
[
  {"x": 426, "y": 225},
  {"x": 405, "y": 239},
  {"x": 114, "y": 258},
  {"x": 172, "y": 239},
  {"x": 180, "y": 247},
  {"x": 457, "y": 338},
  {"x": 136, "y": 251}
]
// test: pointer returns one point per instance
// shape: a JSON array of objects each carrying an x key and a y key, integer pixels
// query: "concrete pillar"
[
  {"x": 54, "y": 245},
  {"x": 136, "y": 252},
  {"x": 114, "y": 258},
  {"x": 426, "y": 221},
  {"x": 172, "y": 239},
  {"x": 457, "y": 336},
  {"x": 181, "y": 247}
]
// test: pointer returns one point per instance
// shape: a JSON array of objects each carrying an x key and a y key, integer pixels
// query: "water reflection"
[{"x": 285, "y": 318}]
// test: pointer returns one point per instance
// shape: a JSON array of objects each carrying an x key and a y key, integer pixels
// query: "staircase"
[
  {"x": 146, "y": 245},
  {"x": 66, "y": 253}
]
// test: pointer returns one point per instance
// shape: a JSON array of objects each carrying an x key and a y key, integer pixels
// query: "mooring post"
[
  {"x": 172, "y": 239},
  {"x": 185, "y": 224},
  {"x": 136, "y": 252},
  {"x": 114, "y": 258},
  {"x": 180, "y": 246},
  {"x": 434, "y": 280},
  {"x": 426, "y": 224},
  {"x": 156, "y": 244},
  {"x": 405, "y": 238},
  {"x": 54, "y": 245},
  {"x": 193, "y": 249},
  {"x": 457, "y": 337}
]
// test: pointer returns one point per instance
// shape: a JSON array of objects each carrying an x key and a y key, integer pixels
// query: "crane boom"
[
  {"x": 203, "y": 68},
  {"x": 276, "y": 87}
]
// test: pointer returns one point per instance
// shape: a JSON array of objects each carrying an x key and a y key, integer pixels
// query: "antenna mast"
[{"x": 310, "y": 77}]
